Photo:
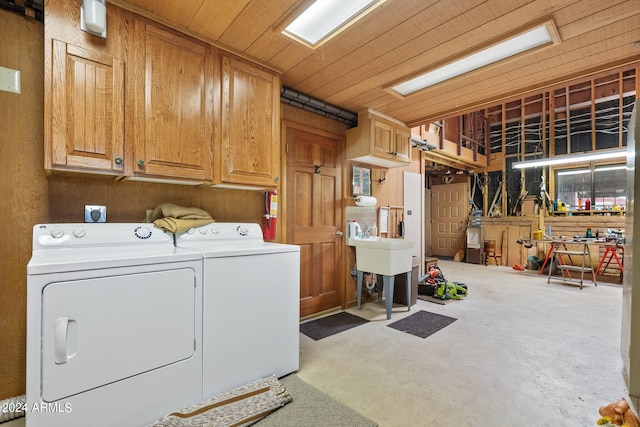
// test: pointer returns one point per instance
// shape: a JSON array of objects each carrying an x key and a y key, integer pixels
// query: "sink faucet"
[{"x": 367, "y": 234}]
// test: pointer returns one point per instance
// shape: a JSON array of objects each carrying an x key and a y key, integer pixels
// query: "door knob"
[{"x": 339, "y": 233}]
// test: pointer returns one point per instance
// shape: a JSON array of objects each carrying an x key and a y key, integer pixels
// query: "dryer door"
[{"x": 101, "y": 330}]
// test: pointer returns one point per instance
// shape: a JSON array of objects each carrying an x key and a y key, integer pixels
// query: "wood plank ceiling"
[{"x": 402, "y": 37}]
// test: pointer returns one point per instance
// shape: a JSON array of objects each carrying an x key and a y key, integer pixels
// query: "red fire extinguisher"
[{"x": 270, "y": 215}]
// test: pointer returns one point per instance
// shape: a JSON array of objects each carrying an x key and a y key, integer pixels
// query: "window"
[{"x": 604, "y": 185}]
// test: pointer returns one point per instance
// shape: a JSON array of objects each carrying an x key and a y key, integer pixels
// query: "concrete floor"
[{"x": 522, "y": 352}]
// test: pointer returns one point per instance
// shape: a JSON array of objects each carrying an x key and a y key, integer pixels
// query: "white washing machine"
[
  {"x": 114, "y": 325},
  {"x": 251, "y": 304}
]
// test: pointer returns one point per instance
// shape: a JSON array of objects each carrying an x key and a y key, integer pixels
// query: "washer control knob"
[
  {"x": 79, "y": 233},
  {"x": 202, "y": 230},
  {"x": 215, "y": 230},
  {"x": 56, "y": 234},
  {"x": 142, "y": 232},
  {"x": 242, "y": 230}
]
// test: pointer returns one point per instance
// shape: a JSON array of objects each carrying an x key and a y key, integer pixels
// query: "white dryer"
[
  {"x": 114, "y": 325},
  {"x": 251, "y": 305}
]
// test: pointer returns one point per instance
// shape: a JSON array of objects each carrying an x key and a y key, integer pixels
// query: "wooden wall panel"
[
  {"x": 128, "y": 201},
  {"x": 23, "y": 188}
]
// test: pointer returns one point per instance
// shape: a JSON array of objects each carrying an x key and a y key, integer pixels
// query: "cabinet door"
[
  {"x": 86, "y": 131},
  {"x": 402, "y": 144},
  {"x": 173, "y": 96},
  {"x": 250, "y": 138},
  {"x": 382, "y": 141}
]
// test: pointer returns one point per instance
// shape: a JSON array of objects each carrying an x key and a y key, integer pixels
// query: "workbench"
[{"x": 610, "y": 254}]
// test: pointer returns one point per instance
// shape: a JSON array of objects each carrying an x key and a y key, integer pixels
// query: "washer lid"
[
  {"x": 217, "y": 251},
  {"x": 220, "y": 239}
]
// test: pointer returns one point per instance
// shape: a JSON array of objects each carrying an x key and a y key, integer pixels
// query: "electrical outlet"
[
  {"x": 93, "y": 213},
  {"x": 9, "y": 80}
]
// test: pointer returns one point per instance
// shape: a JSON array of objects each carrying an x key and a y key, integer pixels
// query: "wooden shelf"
[{"x": 588, "y": 213}]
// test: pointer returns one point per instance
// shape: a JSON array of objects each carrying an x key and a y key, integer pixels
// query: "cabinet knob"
[
  {"x": 118, "y": 160},
  {"x": 140, "y": 163}
]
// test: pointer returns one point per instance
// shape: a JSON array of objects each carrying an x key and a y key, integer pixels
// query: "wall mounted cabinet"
[
  {"x": 379, "y": 140},
  {"x": 172, "y": 120},
  {"x": 86, "y": 96},
  {"x": 249, "y": 149},
  {"x": 156, "y": 105}
]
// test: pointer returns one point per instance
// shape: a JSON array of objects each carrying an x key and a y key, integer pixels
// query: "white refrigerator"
[{"x": 630, "y": 343}]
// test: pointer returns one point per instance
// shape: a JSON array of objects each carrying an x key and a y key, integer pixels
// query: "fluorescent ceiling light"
[
  {"x": 325, "y": 18},
  {"x": 560, "y": 160},
  {"x": 533, "y": 38}
]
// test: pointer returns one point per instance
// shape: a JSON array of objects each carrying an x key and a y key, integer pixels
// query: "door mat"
[
  {"x": 331, "y": 325},
  {"x": 436, "y": 300},
  {"x": 422, "y": 324}
]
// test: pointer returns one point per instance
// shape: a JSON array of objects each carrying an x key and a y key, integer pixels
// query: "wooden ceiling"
[{"x": 402, "y": 37}]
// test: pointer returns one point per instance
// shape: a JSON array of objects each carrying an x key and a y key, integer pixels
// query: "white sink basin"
[
  {"x": 384, "y": 256},
  {"x": 380, "y": 243}
]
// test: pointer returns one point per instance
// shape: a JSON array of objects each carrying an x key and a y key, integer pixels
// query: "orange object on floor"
[{"x": 518, "y": 267}]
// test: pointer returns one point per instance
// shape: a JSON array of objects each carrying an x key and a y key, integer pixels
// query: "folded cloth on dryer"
[
  {"x": 242, "y": 406},
  {"x": 174, "y": 225},
  {"x": 166, "y": 210},
  {"x": 177, "y": 219}
]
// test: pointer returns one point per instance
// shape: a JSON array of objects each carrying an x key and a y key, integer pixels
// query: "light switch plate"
[
  {"x": 93, "y": 213},
  {"x": 9, "y": 80}
]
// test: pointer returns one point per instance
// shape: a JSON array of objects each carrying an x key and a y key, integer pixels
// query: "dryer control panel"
[{"x": 49, "y": 236}]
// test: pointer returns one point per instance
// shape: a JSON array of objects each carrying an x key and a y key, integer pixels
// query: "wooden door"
[
  {"x": 449, "y": 211},
  {"x": 250, "y": 147},
  {"x": 314, "y": 215},
  {"x": 87, "y": 111},
  {"x": 172, "y": 80}
]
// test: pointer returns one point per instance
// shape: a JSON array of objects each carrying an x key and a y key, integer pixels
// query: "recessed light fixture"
[
  {"x": 561, "y": 160},
  {"x": 513, "y": 44},
  {"x": 326, "y": 18}
]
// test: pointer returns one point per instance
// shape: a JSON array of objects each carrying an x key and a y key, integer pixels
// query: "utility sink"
[{"x": 382, "y": 255}]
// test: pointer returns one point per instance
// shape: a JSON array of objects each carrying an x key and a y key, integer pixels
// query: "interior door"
[
  {"x": 314, "y": 214},
  {"x": 449, "y": 206}
]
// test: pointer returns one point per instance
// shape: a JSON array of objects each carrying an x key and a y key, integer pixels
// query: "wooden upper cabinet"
[
  {"x": 172, "y": 80},
  {"x": 379, "y": 140},
  {"x": 249, "y": 149},
  {"x": 402, "y": 147},
  {"x": 84, "y": 90}
]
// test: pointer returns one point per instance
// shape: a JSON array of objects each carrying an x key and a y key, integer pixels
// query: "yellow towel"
[
  {"x": 178, "y": 219},
  {"x": 166, "y": 210},
  {"x": 175, "y": 225}
]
